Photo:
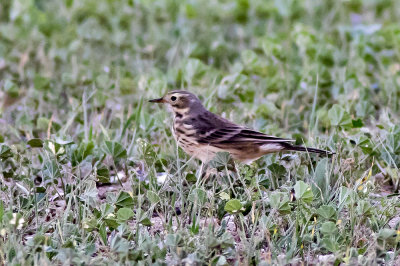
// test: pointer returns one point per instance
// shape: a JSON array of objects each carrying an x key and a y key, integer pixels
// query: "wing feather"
[
  {"x": 238, "y": 135},
  {"x": 217, "y": 130}
]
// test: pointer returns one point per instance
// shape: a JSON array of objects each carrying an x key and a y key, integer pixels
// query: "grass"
[{"x": 90, "y": 173}]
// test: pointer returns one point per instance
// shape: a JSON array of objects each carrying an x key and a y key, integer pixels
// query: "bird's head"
[{"x": 182, "y": 102}]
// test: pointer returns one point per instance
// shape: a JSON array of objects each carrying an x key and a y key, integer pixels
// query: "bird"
[{"x": 202, "y": 134}]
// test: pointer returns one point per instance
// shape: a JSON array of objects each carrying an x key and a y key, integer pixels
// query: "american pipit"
[{"x": 202, "y": 134}]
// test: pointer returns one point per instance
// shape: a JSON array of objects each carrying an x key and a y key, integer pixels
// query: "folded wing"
[{"x": 233, "y": 134}]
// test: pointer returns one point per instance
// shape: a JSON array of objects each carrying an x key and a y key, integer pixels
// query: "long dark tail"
[{"x": 290, "y": 147}]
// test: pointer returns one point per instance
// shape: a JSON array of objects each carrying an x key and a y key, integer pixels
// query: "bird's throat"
[{"x": 180, "y": 113}]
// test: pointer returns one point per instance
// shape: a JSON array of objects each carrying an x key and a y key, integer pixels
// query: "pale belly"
[{"x": 205, "y": 153}]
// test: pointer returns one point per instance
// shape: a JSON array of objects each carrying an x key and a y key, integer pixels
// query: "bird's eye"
[{"x": 173, "y": 98}]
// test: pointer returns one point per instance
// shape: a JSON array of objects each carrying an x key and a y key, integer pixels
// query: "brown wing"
[{"x": 213, "y": 129}]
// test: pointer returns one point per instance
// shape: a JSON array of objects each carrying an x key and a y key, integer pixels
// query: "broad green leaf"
[
  {"x": 124, "y": 200},
  {"x": 127, "y": 86},
  {"x": 221, "y": 159},
  {"x": 124, "y": 214},
  {"x": 119, "y": 244},
  {"x": 271, "y": 47},
  {"x": 81, "y": 152},
  {"x": 280, "y": 201},
  {"x": 303, "y": 192},
  {"x": 89, "y": 223},
  {"x": 106, "y": 209},
  {"x": 39, "y": 239},
  {"x": 220, "y": 261},
  {"x": 363, "y": 142},
  {"x": 115, "y": 149},
  {"x": 147, "y": 151},
  {"x": 339, "y": 116},
  {"x": 364, "y": 208},
  {"x": 41, "y": 83},
  {"x": 249, "y": 57},
  {"x": 103, "y": 234},
  {"x": 42, "y": 123},
  {"x": 51, "y": 170},
  {"x": 198, "y": 195},
  {"x": 68, "y": 79},
  {"x": 224, "y": 196},
  {"x": 330, "y": 244},
  {"x": 35, "y": 143},
  {"x": 62, "y": 141},
  {"x": 345, "y": 195},
  {"x": 327, "y": 212},
  {"x": 146, "y": 221},
  {"x": 5, "y": 151},
  {"x": 153, "y": 197},
  {"x": 90, "y": 29},
  {"x": 233, "y": 206},
  {"x": 328, "y": 228},
  {"x": 111, "y": 221},
  {"x": 194, "y": 69},
  {"x": 103, "y": 174},
  {"x": 40, "y": 190},
  {"x": 190, "y": 177},
  {"x": 173, "y": 240},
  {"x": 387, "y": 233},
  {"x": 277, "y": 169},
  {"x": 357, "y": 123},
  {"x": 321, "y": 179},
  {"x": 245, "y": 95},
  {"x": 11, "y": 89}
]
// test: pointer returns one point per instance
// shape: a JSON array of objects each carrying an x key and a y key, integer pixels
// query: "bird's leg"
[
  {"x": 231, "y": 166},
  {"x": 207, "y": 172},
  {"x": 201, "y": 174},
  {"x": 204, "y": 172},
  {"x": 236, "y": 172}
]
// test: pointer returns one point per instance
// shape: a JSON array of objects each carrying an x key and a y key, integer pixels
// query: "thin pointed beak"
[{"x": 159, "y": 100}]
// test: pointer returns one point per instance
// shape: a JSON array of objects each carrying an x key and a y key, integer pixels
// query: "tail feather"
[{"x": 290, "y": 147}]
